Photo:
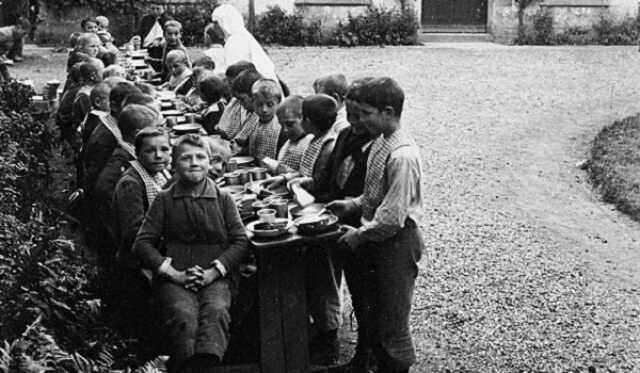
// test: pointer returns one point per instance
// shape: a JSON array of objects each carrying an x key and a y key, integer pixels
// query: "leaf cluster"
[
  {"x": 378, "y": 26},
  {"x": 275, "y": 26}
]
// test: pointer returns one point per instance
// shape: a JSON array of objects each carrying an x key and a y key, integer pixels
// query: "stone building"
[{"x": 496, "y": 20}]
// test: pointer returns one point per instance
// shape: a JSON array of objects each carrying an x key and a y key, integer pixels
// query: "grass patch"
[{"x": 615, "y": 165}]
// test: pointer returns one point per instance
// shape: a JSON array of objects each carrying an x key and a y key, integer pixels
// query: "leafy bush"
[
  {"x": 44, "y": 276},
  {"x": 275, "y": 26},
  {"x": 541, "y": 32},
  {"x": 610, "y": 32},
  {"x": 379, "y": 26},
  {"x": 193, "y": 19}
]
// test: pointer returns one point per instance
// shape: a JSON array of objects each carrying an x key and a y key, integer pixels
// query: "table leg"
[{"x": 283, "y": 314}]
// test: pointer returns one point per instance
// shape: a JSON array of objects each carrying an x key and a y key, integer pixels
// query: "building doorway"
[{"x": 454, "y": 15}]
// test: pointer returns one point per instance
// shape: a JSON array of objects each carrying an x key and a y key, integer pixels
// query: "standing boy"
[
  {"x": 390, "y": 208},
  {"x": 10, "y": 37}
]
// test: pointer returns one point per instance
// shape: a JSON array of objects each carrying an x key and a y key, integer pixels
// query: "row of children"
[
  {"x": 306, "y": 141},
  {"x": 11, "y": 40},
  {"x": 345, "y": 145}
]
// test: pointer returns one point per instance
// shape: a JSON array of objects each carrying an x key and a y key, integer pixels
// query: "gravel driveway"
[{"x": 527, "y": 270}]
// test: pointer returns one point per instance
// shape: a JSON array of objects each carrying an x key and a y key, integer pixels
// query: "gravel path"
[{"x": 527, "y": 269}]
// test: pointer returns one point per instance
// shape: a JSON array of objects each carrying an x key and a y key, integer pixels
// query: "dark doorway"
[{"x": 454, "y": 15}]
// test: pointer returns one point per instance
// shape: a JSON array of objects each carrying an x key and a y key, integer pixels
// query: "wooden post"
[{"x": 252, "y": 15}]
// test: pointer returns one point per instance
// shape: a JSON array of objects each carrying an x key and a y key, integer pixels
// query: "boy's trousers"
[
  {"x": 193, "y": 322},
  {"x": 323, "y": 283},
  {"x": 390, "y": 278}
]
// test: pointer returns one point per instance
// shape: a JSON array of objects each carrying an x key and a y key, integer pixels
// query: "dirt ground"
[{"x": 526, "y": 270}]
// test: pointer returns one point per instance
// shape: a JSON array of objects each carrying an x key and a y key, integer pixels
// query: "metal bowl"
[
  {"x": 316, "y": 224},
  {"x": 261, "y": 229}
]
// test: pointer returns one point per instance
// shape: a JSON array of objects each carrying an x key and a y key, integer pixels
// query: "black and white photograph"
[{"x": 319, "y": 186}]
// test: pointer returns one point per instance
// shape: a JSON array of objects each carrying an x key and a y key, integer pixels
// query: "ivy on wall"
[{"x": 101, "y": 6}]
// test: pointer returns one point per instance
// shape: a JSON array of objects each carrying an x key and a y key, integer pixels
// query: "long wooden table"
[{"x": 282, "y": 301}]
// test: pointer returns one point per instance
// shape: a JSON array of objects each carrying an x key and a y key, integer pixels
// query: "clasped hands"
[{"x": 194, "y": 278}]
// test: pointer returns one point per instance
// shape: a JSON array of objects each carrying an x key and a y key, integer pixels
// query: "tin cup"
[
  {"x": 259, "y": 173},
  {"x": 232, "y": 165},
  {"x": 232, "y": 178},
  {"x": 267, "y": 215},
  {"x": 190, "y": 117},
  {"x": 244, "y": 176},
  {"x": 282, "y": 207}
]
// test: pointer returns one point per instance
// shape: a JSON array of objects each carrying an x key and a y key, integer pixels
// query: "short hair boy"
[
  {"x": 206, "y": 291},
  {"x": 211, "y": 89},
  {"x": 173, "y": 41},
  {"x": 390, "y": 208},
  {"x": 114, "y": 70},
  {"x": 103, "y": 23},
  {"x": 89, "y": 25},
  {"x": 334, "y": 85},
  {"x": 177, "y": 63},
  {"x": 264, "y": 138},
  {"x": 289, "y": 114}
]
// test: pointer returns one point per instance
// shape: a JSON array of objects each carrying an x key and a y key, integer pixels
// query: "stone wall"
[{"x": 502, "y": 20}]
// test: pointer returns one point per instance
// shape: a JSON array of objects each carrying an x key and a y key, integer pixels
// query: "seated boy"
[
  {"x": 99, "y": 98},
  {"x": 114, "y": 70},
  {"x": 87, "y": 47},
  {"x": 103, "y": 23},
  {"x": 64, "y": 114},
  {"x": 220, "y": 154},
  {"x": 289, "y": 114},
  {"x": 335, "y": 86},
  {"x": 10, "y": 36},
  {"x": 193, "y": 240},
  {"x": 91, "y": 73},
  {"x": 265, "y": 138},
  {"x": 390, "y": 208},
  {"x": 132, "y": 120},
  {"x": 134, "y": 192},
  {"x": 173, "y": 41},
  {"x": 234, "y": 114},
  {"x": 177, "y": 64},
  {"x": 89, "y": 25},
  {"x": 104, "y": 138},
  {"x": 211, "y": 89},
  {"x": 241, "y": 88}
]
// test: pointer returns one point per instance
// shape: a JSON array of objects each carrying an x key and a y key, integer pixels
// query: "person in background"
[
  {"x": 220, "y": 154},
  {"x": 211, "y": 89},
  {"x": 345, "y": 175},
  {"x": 334, "y": 85},
  {"x": 389, "y": 238},
  {"x": 234, "y": 115},
  {"x": 193, "y": 240},
  {"x": 99, "y": 107},
  {"x": 178, "y": 67},
  {"x": 64, "y": 114},
  {"x": 139, "y": 185},
  {"x": 322, "y": 275},
  {"x": 91, "y": 73},
  {"x": 107, "y": 42},
  {"x": 131, "y": 120},
  {"x": 264, "y": 138},
  {"x": 214, "y": 40},
  {"x": 114, "y": 70},
  {"x": 173, "y": 41},
  {"x": 10, "y": 36},
  {"x": 87, "y": 46},
  {"x": 103, "y": 23},
  {"x": 239, "y": 44},
  {"x": 89, "y": 25},
  {"x": 151, "y": 33},
  {"x": 105, "y": 137},
  {"x": 289, "y": 114}
]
